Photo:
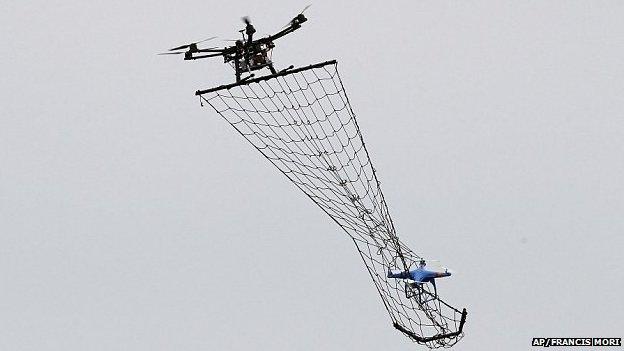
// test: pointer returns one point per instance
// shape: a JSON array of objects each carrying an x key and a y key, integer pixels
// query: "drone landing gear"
[
  {"x": 418, "y": 292},
  {"x": 272, "y": 69}
]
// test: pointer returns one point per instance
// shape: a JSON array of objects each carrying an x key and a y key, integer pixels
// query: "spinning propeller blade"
[
  {"x": 305, "y": 8},
  {"x": 181, "y": 47},
  {"x": 436, "y": 266},
  {"x": 300, "y": 13},
  {"x": 182, "y": 52}
]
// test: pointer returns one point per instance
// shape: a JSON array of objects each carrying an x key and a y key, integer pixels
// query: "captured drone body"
[
  {"x": 419, "y": 276},
  {"x": 247, "y": 54}
]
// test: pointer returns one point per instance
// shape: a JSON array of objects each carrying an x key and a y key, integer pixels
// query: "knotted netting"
[{"x": 302, "y": 122}]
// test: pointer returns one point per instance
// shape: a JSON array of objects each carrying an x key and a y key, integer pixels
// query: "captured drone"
[
  {"x": 247, "y": 54},
  {"x": 301, "y": 121}
]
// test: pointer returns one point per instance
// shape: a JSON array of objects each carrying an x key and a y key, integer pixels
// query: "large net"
[{"x": 302, "y": 122}]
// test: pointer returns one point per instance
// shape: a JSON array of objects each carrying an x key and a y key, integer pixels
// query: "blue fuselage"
[{"x": 420, "y": 275}]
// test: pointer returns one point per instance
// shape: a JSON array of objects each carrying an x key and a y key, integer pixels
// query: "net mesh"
[{"x": 303, "y": 123}]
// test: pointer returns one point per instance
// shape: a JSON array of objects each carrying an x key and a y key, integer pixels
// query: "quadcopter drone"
[{"x": 247, "y": 54}]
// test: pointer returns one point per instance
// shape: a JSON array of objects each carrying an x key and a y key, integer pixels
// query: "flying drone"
[{"x": 247, "y": 54}]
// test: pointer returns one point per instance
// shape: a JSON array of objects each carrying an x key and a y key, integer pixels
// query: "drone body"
[{"x": 247, "y": 54}]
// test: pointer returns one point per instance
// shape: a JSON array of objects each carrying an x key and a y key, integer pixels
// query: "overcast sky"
[{"x": 131, "y": 218}]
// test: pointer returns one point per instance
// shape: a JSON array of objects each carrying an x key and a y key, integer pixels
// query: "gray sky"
[{"x": 133, "y": 219}]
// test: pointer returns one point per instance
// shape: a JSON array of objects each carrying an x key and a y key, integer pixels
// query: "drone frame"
[{"x": 241, "y": 54}]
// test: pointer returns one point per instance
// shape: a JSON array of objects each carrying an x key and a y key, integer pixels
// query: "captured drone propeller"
[
  {"x": 448, "y": 270},
  {"x": 435, "y": 265}
]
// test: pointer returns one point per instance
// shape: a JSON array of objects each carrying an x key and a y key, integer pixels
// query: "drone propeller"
[
  {"x": 305, "y": 8},
  {"x": 249, "y": 28},
  {"x": 296, "y": 17},
  {"x": 181, "y": 47},
  {"x": 436, "y": 266},
  {"x": 183, "y": 52}
]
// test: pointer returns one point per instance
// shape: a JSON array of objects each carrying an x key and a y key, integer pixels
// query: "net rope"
[{"x": 303, "y": 123}]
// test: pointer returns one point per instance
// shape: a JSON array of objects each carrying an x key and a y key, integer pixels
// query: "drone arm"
[
  {"x": 281, "y": 33},
  {"x": 220, "y": 51},
  {"x": 293, "y": 26},
  {"x": 202, "y": 56}
]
